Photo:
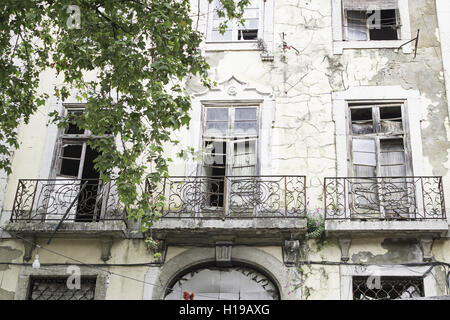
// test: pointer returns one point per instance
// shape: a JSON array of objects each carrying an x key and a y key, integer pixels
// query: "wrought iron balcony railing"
[
  {"x": 88, "y": 200},
  {"x": 231, "y": 197},
  {"x": 384, "y": 198}
]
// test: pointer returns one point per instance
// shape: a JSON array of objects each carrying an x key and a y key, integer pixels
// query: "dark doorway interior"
[{"x": 88, "y": 207}]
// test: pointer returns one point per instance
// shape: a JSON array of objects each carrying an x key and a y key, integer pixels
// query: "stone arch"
[{"x": 282, "y": 277}]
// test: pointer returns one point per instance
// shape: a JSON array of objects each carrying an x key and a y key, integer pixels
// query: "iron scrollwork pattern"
[
  {"x": 49, "y": 200},
  {"x": 231, "y": 196},
  {"x": 388, "y": 288},
  {"x": 399, "y": 198},
  {"x": 56, "y": 289}
]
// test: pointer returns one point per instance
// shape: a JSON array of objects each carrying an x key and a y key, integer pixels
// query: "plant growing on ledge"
[{"x": 315, "y": 228}]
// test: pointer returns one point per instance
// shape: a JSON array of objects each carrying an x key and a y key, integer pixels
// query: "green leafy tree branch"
[{"x": 139, "y": 51}]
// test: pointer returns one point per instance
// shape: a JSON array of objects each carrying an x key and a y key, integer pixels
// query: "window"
[
  {"x": 75, "y": 157},
  {"x": 230, "y": 137},
  {"x": 387, "y": 288},
  {"x": 75, "y": 162},
  {"x": 380, "y": 159},
  {"x": 235, "y": 31},
  {"x": 362, "y": 23},
  {"x": 378, "y": 140},
  {"x": 55, "y": 288},
  {"x": 233, "y": 283}
]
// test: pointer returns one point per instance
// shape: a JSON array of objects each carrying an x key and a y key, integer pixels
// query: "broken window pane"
[
  {"x": 362, "y": 122},
  {"x": 356, "y": 25},
  {"x": 70, "y": 160},
  {"x": 391, "y": 119},
  {"x": 387, "y": 28},
  {"x": 214, "y": 162},
  {"x": 73, "y": 128}
]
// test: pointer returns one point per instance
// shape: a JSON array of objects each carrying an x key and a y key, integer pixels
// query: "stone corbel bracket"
[
  {"x": 291, "y": 252},
  {"x": 106, "y": 243},
  {"x": 344, "y": 244},
  {"x": 223, "y": 253},
  {"x": 29, "y": 243},
  {"x": 426, "y": 244}
]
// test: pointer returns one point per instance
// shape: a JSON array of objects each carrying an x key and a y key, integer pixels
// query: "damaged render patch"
[
  {"x": 398, "y": 251},
  {"x": 6, "y": 295},
  {"x": 8, "y": 254}
]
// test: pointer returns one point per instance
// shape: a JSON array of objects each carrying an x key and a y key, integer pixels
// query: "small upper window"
[
  {"x": 235, "y": 31},
  {"x": 366, "y": 20},
  {"x": 72, "y": 127}
]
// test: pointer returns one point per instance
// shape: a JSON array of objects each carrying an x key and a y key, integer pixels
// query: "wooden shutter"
[{"x": 364, "y": 157}]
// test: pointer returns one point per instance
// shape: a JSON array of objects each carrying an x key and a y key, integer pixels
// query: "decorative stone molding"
[
  {"x": 29, "y": 244},
  {"x": 232, "y": 91},
  {"x": 256, "y": 258},
  {"x": 223, "y": 253},
  {"x": 291, "y": 252},
  {"x": 106, "y": 248},
  {"x": 426, "y": 244},
  {"x": 344, "y": 244}
]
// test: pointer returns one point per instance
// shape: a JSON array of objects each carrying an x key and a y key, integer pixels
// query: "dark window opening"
[
  {"x": 387, "y": 288},
  {"x": 372, "y": 25},
  {"x": 214, "y": 166},
  {"x": 70, "y": 161},
  {"x": 248, "y": 34},
  {"x": 388, "y": 27},
  {"x": 89, "y": 204},
  {"x": 362, "y": 122},
  {"x": 391, "y": 119},
  {"x": 73, "y": 128}
]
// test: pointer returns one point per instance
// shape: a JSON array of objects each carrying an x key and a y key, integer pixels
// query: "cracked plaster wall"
[{"x": 303, "y": 134}]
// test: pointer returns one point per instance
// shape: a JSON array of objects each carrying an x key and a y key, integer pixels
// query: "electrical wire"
[
  {"x": 165, "y": 288},
  {"x": 302, "y": 262}
]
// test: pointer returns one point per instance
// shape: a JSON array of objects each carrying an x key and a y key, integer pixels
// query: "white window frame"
[
  {"x": 233, "y": 92},
  {"x": 339, "y": 44},
  {"x": 229, "y": 139},
  {"x": 265, "y": 31},
  {"x": 378, "y": 136},
  {"x": 413, "y": 113},
  {"x": 350, "y": 271},
  {"x": 71, "y": 139}
]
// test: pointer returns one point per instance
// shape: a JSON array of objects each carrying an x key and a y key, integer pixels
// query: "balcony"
[
  {"x": 385, "y": 206},
  {"x": 86, "y": 208},
  {"x": 244, "y": 209}
]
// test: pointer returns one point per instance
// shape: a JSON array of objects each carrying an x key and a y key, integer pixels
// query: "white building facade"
[{"x": 323, "y": 108}]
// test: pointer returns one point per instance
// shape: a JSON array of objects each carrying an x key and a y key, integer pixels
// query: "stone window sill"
[
  {"x": 339, "y": 46},
  {"x": 251, "y": 45}
]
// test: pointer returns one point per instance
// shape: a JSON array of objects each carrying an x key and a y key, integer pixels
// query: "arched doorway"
[{"x": 214, "y": 283}]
